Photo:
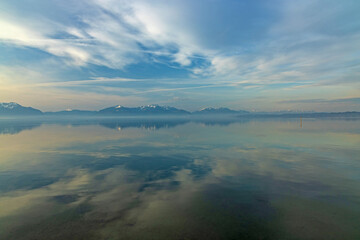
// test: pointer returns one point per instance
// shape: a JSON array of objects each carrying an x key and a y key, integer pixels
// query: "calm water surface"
[{"x": 178, "y": 179}]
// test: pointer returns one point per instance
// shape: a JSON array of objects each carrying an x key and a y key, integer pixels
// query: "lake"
[{"x": 180, "y": 179}]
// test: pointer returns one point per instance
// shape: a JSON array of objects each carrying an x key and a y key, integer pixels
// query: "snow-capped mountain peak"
[
  {"x": 150, "y": 106},
  {"x": 10, "y": 105},
  {"x": 15, "y": 108},
  {"x": 146, "y": 109}
]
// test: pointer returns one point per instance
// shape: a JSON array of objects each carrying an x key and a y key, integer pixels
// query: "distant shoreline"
[{"x": 182, "y": 116}]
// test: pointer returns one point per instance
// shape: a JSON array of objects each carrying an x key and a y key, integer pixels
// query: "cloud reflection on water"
[{"x": 256, "y": 179}]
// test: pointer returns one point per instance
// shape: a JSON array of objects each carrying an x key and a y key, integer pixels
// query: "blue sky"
[{"x": 254, "y": 55}]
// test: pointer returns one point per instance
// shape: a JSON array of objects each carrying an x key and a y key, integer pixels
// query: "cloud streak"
[{"x": 277, "y": 46}]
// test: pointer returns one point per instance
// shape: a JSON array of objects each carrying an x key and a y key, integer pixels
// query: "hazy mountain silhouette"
[
  {"x": 72, "y": 113},
  {"x": 221, "y": 110},
  {"x": 12, "y": 108}
]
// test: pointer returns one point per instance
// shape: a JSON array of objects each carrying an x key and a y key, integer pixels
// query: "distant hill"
[
  {"x": 71, "y": 113},
  {"x": 143, "y": 110},
  {"x": 309, "y": 115},
  {"x": 221, "y": 110},
  {"x": 12, "y": 108}
]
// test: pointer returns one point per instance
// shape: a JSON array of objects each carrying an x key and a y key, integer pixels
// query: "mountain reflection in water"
[{"x": 189, "y": 179}]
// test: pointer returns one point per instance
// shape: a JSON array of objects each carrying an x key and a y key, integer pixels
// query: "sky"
[{"x": 264, "y": 55}]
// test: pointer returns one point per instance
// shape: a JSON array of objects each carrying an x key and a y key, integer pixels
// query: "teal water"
[{"x": 179, "y": 179}]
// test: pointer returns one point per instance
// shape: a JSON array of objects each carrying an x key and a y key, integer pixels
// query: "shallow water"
[{"x": 180, "y": 179}]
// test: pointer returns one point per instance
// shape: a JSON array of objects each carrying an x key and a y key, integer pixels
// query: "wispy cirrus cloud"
[
  {"x": 133, "y": 47},
  {"x": 320, "y": 100}
]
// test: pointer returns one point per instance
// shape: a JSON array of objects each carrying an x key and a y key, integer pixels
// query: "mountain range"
[
  {"x": 143, "y": 110},
  {"x": 15, "y": 109}
]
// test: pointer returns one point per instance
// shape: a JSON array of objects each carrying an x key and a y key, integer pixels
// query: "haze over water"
[{"x": 175, "y": 179}]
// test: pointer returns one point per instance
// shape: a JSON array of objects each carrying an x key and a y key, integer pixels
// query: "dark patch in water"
[
  {"x": 10, "y": 181},
  {"x": 65, "y": 199}
]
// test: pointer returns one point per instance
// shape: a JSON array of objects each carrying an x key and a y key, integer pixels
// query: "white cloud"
[
  {"x": 110, "y": 34},
  {"x": 300, "y": 45}
]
